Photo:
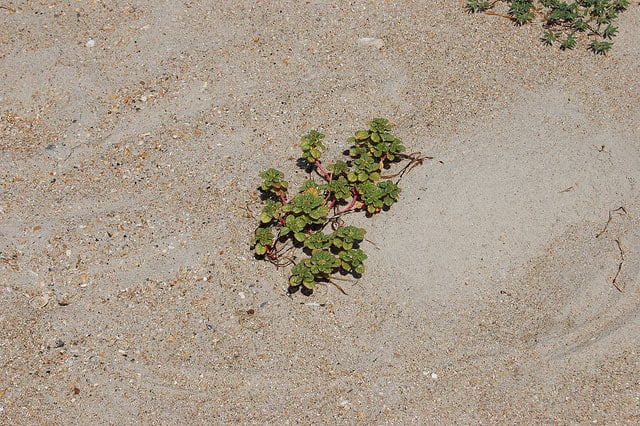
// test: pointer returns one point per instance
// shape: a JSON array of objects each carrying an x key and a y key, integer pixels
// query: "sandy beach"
[{"x": 502, "y": 288}]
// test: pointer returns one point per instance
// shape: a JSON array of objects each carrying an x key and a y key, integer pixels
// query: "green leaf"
[
  {"x": 312, "y": 146},
  {"x": 548, "y": 38},
  {"x": 600, "y": 47},
  {"x": 271, "y": 211},
  {"x": 580, "y": 25},
  {"x": 319, "y": 212},
  {"x": 568, "y": 43},
  {"x": 362, "y": 135},
  {"x": 346, "y": 236},
  {"x": 273, "y": 180},
  {"x": 322, "y": 263},
  {"x": 338, "y": 168},
  {"x": 309, "y": 184},
  {"x": 263, "y": 236},
  {"x": 340, "y": 188},
  {"x": 318, "y": 241},
  {"x": 380, "y": 125},
  {"x": 478, "y": 6},
  {"x": 610, "y": 31}
]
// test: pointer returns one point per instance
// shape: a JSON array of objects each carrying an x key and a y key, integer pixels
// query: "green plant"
[
  {"x": 355, "y": 184},
  {"x": 478, "y": 6},
  {"x": 566, "y": 22}
]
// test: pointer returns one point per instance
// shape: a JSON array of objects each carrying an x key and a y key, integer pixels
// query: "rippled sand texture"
[{"x": 502, "y": 288}]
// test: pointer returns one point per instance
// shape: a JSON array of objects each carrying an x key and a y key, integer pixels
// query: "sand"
[{"x": 502, "y": 288}]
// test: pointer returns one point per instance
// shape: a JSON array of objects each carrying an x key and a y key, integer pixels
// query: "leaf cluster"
[
  {"x": 565, "y": 22},
  {"x": 350, "y": 185}
]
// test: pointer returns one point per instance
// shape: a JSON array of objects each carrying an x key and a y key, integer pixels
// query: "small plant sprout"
[
  {"x": 478, "y": 6},
  {"x": 274, "y": 182},
  {"x": 569, "y": 42},
  {"x": 566, "y": 23},
  {"x": 263, "y": 240},
  {"x": 522, "y": 11},
  {"x": 297, "y": 223},
  {"x": 600, "y": 47}
]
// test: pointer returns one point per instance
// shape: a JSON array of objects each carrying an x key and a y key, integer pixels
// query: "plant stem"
[
  {"x": 271, "y": 255},
  {"x": 382, "y": 159},
  {"x": 325, "y": 173},
  {"x": 353, "y": 202},
  {"x": 283, "y": 197}
]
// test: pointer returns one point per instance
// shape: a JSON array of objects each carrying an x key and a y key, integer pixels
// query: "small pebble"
[
  {"x": 371, "y": 42},
  {"x": 90, "y": 43}
]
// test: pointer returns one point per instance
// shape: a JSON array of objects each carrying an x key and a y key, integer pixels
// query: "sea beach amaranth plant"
[{"x": 307, "y": 229}]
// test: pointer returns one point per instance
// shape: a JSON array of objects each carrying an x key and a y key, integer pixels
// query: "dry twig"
[
  {"x": 615, "y": 282},
  {"x": 621, "y": 208}
]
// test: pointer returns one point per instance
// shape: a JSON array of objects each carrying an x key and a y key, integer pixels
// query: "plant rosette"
[{"x": 296, "y": 222}]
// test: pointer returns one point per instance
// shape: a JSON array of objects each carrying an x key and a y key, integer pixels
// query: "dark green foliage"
[
  {"x": 352, "y": 260},
  {"x": 347, "y": 186},
  {"x": 549, "y": 38},
  {"x": 568, "y": 43},
  {"x": 522, "y": 11},
  {"x": 592, "y": 19},
  {"x": 346, "y": 237},
  {"x": 600, "y": 47},
  {"x": 478, "y": 6}
]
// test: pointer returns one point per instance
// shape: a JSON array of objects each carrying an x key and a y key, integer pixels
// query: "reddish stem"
[
  {"x": 382, "y": 160},
  {"x": 353, "y": 202},
  {"x": 283, "y": 198},
  {"x": 323, "y": 171},
  {"x": 271, "y": 255}
]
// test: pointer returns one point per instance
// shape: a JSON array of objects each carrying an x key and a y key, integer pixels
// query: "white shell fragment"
[{"x": 371, "y": 42}]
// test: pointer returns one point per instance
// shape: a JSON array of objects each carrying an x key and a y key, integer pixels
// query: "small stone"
[
  {"x": 371, "y": 42},
  {"x": 90, "y": 43}
]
